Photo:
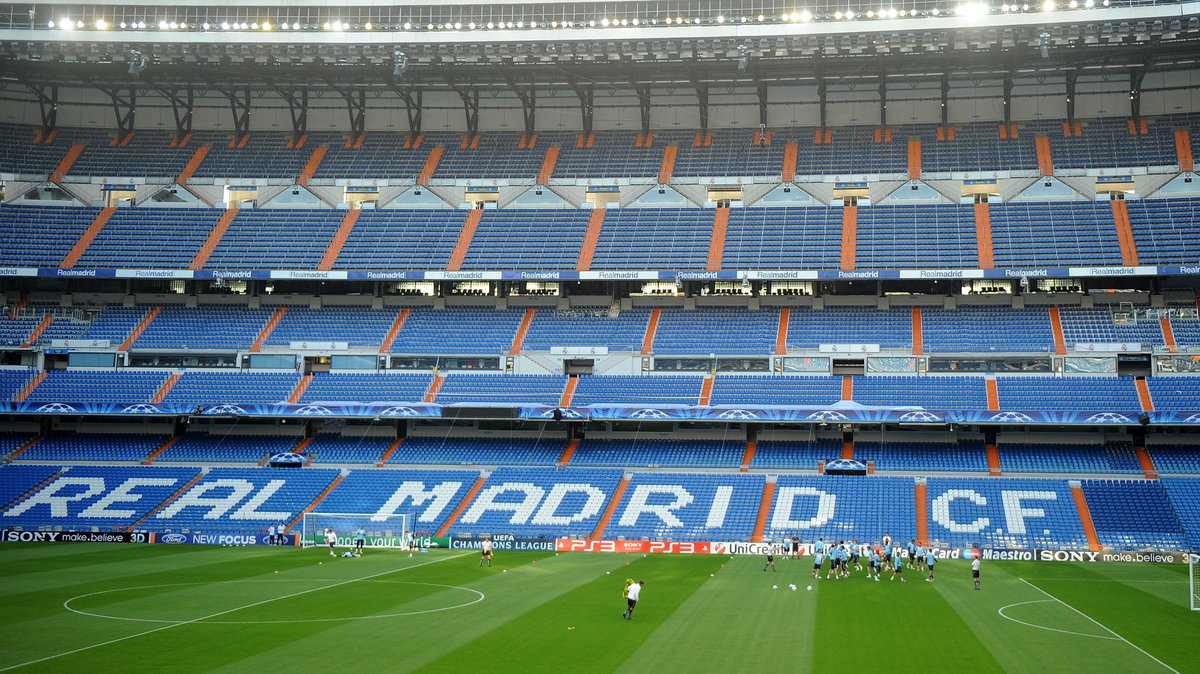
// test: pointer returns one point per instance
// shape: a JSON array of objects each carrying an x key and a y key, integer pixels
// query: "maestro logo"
[
  {"x": 172, "y": 538},
  {"x": 970, "y": 553}
]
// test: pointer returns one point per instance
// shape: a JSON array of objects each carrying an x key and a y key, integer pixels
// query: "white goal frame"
[
  {"x": 382, "y": 531},
  {"x": 1193, "y": 582}
]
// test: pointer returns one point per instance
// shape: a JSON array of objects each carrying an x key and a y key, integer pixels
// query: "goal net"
[
  {"x": 380, "y": 531},
  {"x": 1194, "y": 581}
]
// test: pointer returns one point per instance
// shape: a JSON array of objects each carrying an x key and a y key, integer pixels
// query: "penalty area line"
[
  {"x": 1097, "y": 622},
  {"x": 225, "y": 612}
]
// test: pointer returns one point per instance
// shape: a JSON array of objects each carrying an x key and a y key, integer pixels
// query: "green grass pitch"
[{"x": 131, "y": 608}]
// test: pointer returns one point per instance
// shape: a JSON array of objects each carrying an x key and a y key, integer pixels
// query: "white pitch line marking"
[
  {"x": 221, "y": 613},
  {"x": 1043, "y": 627},
  {"x": 1139, "y": 648}
]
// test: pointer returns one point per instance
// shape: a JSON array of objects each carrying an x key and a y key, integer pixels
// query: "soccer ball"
[
  {"x": 608, "y": 573},
  {"x": 504, "y": 570},
  {"x": 792, "y": 587},
  {"x": 810, "y": 588},
  {"x": 774, "y": 587},
  {"x": 711, "y": 575}
]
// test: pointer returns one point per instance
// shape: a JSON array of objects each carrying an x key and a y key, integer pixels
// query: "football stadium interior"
[{"x": 696, "y": 270}]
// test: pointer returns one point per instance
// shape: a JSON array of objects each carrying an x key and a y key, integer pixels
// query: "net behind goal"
[
  {"x": 1194, "y": 581},
  {"x": 382, "y": 531}
]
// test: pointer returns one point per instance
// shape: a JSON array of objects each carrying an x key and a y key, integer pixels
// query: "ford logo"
[{"x": 173, "y": 538}]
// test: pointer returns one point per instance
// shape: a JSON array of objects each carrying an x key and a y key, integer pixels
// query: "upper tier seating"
[
  {"x": 1081, "y": 393},
  {"x": 587, "y": 327},
  {"x": 889, "y": 236},
  {"x": 923, "y": 236},
  {"x": 207, "y": 327},
  {"x": 459, "y": 331},
  {"x": 366, "y": 387},
  {"x": 357, "y": 326},
  {"x": 209, "y": 388},
  {"x": 82, "y": 386},
  {"x": 1105, "y": 143},
  {"x": 1174, "y": 393},
  {"x": 527, "y": 239},
  {"x": 330, "y": 448},
  {"x": 965, "y": 456},
  {"x": 289, "y": 238},
  {"x": 510, "y": 389},
  {"x": 226, "y": 447},
  {"x": 794, "y": 454},
  {"x": 1074, "y": 458},
  {"x": 1174, "y": 458},
  {"x": 934, "y": 392},
  {"x": 68, "y": 446},
  {"x": 41, "y": 236},
  {"x": 427, "y": 450},
  {"x": 808, "y": 390},
  {"x": 646, "y": 390},
  {"x": 723, "y": 331},
  {"x": 657, "y": 452}
]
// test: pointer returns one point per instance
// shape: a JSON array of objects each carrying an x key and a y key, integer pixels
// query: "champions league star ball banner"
[
  {"x": 316, "y": 409},
  {"x": 837, "y": 413}
]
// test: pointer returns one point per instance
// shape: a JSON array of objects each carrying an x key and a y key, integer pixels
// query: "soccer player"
[
  {"x": 887, "y": 551},
  {"x": 796, "y": 546},
  {"x": 975, "y": 570},
  {"x": 485, "y": 552},
  {"x": 913, "y": 561},
  {"x": 330, "y": 539},
  {"x": 360, "y": 539},
  {"x": 279, "y": 529},
  {"x": 818, "y": 560},
  {"x": 855, "y": 549},
  {"x": 271, "y": 535},
  {"x": 770, "y": 560},
  {"x": 633, "y": 592},
  {"x": 873, "y": 565},
  {"x": 898, "y": 569},
  {"x": 835, "y": 561},
  {"x": 930, "y": 560}
]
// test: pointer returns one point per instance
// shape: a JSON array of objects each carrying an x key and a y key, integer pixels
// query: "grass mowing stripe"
[
  {"x": 897, "y": 617},
  {"x": 515, "y": 586},
  {"x": 601, "y": 640},
  {"x": 217, "y": 614},
  {"x": 1097, "y": 622},
  {"x": 733, "y": 619}
]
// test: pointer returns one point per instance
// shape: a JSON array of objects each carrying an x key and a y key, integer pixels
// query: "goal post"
[
  {"x": 382, "y": 531},
  {"x": 1193, "y": 581}
]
